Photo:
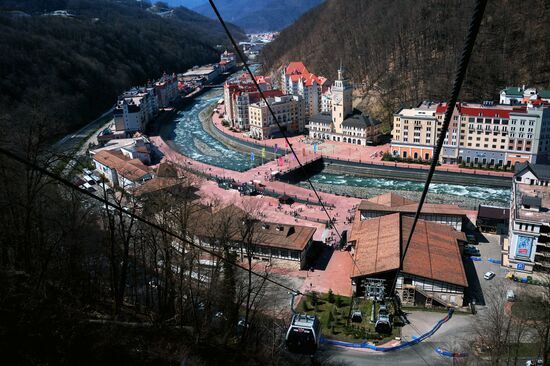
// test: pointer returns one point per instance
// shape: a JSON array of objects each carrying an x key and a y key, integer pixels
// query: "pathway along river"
[{"x": 186, "y": 134}]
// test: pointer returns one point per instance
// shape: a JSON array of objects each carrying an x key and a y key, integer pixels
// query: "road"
[
  {"x": 74, "y": 139},
  {"x": 68, "y": 144}
]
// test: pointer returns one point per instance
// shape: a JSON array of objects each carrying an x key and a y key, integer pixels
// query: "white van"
[
  {"x": 88, "y": 179},
  {"x": 510, "y": 296}
]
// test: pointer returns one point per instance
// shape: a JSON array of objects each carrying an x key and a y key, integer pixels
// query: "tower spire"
[{"x": 341, "y": 71}]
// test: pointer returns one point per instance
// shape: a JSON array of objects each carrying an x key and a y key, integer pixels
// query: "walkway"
[
  {"x": 340, "y": 208},
  {"x": 371, "y": 155}
]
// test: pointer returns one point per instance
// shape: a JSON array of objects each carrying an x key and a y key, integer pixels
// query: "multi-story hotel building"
[
  {"x": 238, "y": 95},
  {"x": 166, "y": 90},
  {"x": 134, "y": 109},
  {"x": 289, "y": 111},
  {"x": 297, "y": 80},
  {"x": 342, "y": 122},
  {"x": 528, "y": 246},
  {"x": 478, "y": 133}
]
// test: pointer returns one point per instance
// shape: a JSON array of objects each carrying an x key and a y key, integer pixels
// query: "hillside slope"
[
  {"x": 260, "y": 15},
  {"x": 407, "y": 52},
  {"x": 69, "y": 70}
]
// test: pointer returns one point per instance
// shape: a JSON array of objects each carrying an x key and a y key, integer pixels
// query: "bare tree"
[{"x": 493, "y": 326}]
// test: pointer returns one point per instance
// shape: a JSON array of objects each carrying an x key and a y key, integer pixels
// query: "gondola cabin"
[
  {"x": 383, "y": 322},
  {"x": 356, "y": 316},
  {"x": 303, "y": 334}
]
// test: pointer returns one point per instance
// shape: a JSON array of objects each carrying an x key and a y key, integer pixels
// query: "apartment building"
[
  {"x": 326, "y": 101},
  {"x": 134, "y": 109},
  {"x": 166, "y": 90},
  {"x": 297, "y": 80},
  {"x": 528, "y": 246},
  {"x": 289, "y": 111},
  {"x": 486, "y": 134},
  {"x": 239, "y": 94},
  {"x": 342, "y": 122}
]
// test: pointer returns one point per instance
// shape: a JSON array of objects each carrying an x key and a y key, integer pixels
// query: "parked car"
[
  {"x": 489, "y": 275},
  {"x": 88, "y": 179},
  {"x": 472, "y": 239},
  {"x": 471, "y": 251},
  {"x": 510, "y": 296}
]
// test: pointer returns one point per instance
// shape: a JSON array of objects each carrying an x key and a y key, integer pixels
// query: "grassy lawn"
[{"x": 334, "y": 316}]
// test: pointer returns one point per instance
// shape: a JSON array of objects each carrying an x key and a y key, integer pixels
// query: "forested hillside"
[
  {"x": 407, "y": 51},
  {"x": 69, "y": 70},
  {"x": 260, "y": 15}
]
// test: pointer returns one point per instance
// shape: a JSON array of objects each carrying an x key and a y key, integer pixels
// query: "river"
[{"x": 186, "y": 134}]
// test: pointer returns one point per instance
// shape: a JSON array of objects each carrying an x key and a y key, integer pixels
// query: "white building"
[
  {"x": 121, "y": 170},
  {"x": 135, "y": 108},
  {"x": 343, "y": 123},
  {"x": 238, "y": 95},
  {"x": 134, "y": 148},
  {"x": 297, "y": 80},
  {"x": 528, "y": 247},
  {"x": 289, "y": 111},
  {"x": 207, "y": 73},
  {"x": 522, "y": 95},
  {"x": 326, "y": 101}
]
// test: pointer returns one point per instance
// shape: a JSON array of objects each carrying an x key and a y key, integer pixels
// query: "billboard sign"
[{"x": 524, "y": 246}]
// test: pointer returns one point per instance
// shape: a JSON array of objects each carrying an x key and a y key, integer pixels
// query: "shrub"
[
  {"x": 330, "y": 296},
  {"x": 314, "y": 298},
  {"x": 304, "y": 306},
  {"x": 339, "y": 301},
  {"x": 330, "y": 318}
]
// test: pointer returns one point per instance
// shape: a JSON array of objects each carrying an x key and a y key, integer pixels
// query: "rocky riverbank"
[{"x": 368, "y": 192}]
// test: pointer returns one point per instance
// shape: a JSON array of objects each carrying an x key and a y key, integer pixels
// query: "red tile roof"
[
  {"x": 297, "y": 71},
  {"x": 475, "y": 110},
  {"x": 131, "y": 169},
  {"x": 228, "y": 222},
  {"x": 433, "y": 252},
  {"x": 377, "y": 245},
  {"x": 390, "y": 199},
  {"x": 296, "y": 68},
  {"x": 391, "y": 202}
]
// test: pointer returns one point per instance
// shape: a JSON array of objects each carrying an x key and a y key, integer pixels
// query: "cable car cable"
[
  {"x": 67, "y": 183},
  {"x": 283, "y": 132},
  {"x": 473, "y": 30}
]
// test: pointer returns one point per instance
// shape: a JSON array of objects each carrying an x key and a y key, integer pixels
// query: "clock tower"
[{"x": 341, "y": 100}]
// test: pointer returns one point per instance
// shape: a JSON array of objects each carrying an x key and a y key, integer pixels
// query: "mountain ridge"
[
  {"x": 72, "y": 69},
  {"x": 412, "y": 54},
  {"x": 259, "y": 15}
]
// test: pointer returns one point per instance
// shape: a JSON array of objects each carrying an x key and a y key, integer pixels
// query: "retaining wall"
[{"x": 367, "y": 169}]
